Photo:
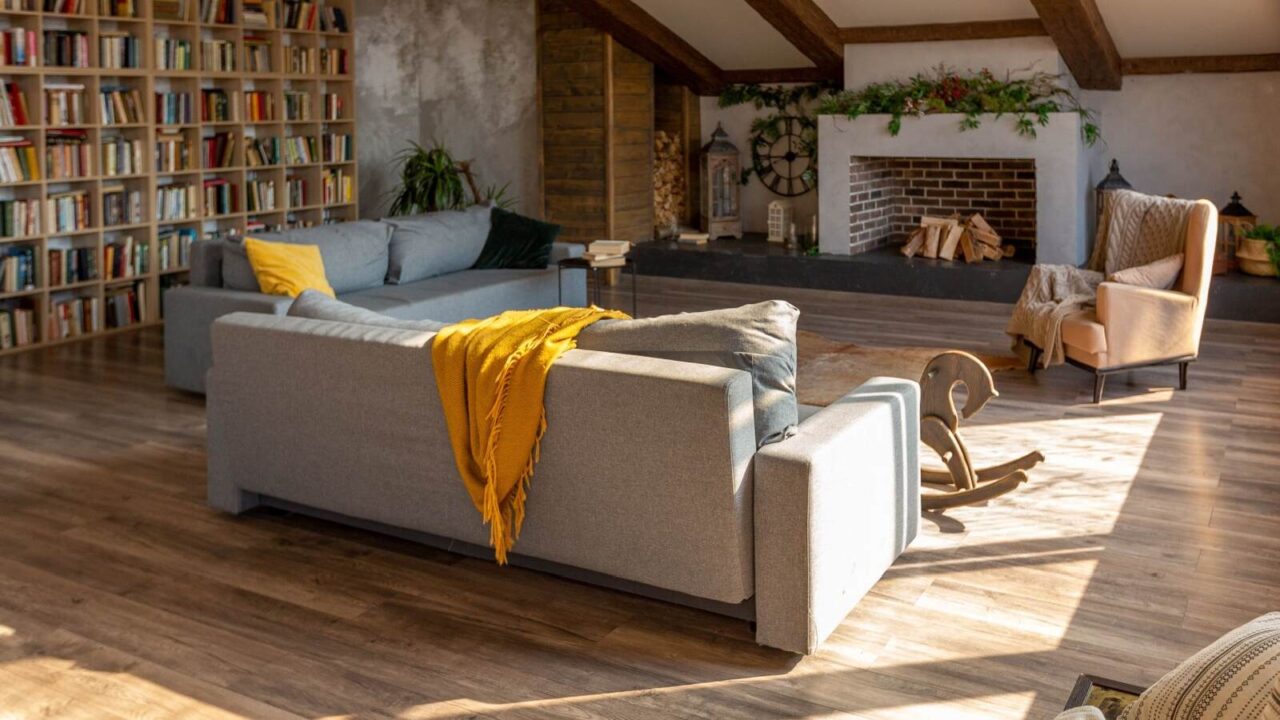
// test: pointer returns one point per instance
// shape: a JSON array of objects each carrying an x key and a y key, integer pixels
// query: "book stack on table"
[{"x": 607, "y": 253}]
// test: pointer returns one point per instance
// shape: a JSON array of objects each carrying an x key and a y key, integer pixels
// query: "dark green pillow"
[{"x": 517, "y": 242}]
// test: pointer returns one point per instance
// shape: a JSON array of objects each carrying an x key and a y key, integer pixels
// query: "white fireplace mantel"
[{"x": 1059, "y": 152}]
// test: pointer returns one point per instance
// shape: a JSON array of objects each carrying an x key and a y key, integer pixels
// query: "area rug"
[{"x": 829, "y": 369}]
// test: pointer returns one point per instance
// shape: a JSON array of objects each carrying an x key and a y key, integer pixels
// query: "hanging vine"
[{"x": 791, "y": 111}]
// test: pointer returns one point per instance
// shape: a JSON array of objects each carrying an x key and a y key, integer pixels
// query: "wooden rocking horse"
[{"x": 961, "y": 484}]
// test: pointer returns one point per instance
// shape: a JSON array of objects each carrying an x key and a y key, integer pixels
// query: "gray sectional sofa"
[
  {"x": 650, "y": 478},
  {"x": 412, "y": 268}
]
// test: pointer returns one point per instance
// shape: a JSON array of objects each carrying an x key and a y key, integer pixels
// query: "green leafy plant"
[
  {"x": 1030, "y": 100},
  {"x": 430, "y": 181},
  {"x": 795, "y": 103},
  {"x": 1269, "y": 234},
  {"x": 497, "y": 196}
]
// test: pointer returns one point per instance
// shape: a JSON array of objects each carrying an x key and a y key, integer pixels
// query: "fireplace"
[
  {"x": 874, "y": 186},
  {"x": 889, "y": 195}
]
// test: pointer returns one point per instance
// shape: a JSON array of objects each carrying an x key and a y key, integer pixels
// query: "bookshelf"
[{"x": 125, "y": 182}]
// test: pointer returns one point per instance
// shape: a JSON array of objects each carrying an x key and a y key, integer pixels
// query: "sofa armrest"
[
  {"x": 1147, "y": 324},
  {"x": 189, "y": 313},
  {"x": 564, "y": 251},
  {"x": 834, "y": 507}
]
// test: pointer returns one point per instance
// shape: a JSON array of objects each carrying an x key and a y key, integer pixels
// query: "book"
[
  {"x": 68, "y": 266},
  {"x": 18, "y": 269},
  {"x": 67, "y": 154},
  {"x": 66, "y": 48},
  {"x": 260, "y": 106},
  {"x": 121, "y": 106},
  {"x": 297, "y": 106},
  {"x": 606, "y": 260},
  {"x": 257, "y": 54},
  {"x": 119, "y": 50},
  {"x": 220, "y": 151},
  {"x": 65, "y": 104},
  {"x": 177, "y": 202},
  {"x": 172, "y": 152},
  {"x": 216, "y": 105},
  {"x": 174, "y": 108},
  {"x": 175, "y": 10},
  {"x": 218, "y": 56},
  {"x": 18, "y": 161},
  {"x": 337, "y": 186},
  {"x": 121, "y": 206},
  {"x": 690, "y": 237},
  {"x": 13, "y": 106},
  {"x": 173, "y": 54},
  {"x": 609, "y": 247},
  {"x": 260, "y": 195},
  {"x": 259, "y": 14},
  {"x": 18, "y": 47},
  {"x": 122, "y": 156},
  {"x": 262, "y": 151}
]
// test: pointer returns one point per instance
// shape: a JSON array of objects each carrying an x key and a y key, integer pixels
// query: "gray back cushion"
[
  {"x": 355, "y": 255},
  {"x": 760, "y": 339},
  {"x": 424, "y": 246},
  {"x": 318, "y": 306}
]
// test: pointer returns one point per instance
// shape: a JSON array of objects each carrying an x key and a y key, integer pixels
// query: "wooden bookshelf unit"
[{"x": 264, "y": 110}]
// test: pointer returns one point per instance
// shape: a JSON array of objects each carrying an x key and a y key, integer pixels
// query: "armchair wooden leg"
[
  {"x": 1182, "y": 375},
  {"x": 1033, "y": 361},
  {"x": 1099, "y": 382}
]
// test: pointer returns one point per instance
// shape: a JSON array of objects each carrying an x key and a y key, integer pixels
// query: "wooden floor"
[{"x": 1153, "y": 527}]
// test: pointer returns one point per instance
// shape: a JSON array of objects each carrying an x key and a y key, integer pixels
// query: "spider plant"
[{"x": 429, "y": 182}]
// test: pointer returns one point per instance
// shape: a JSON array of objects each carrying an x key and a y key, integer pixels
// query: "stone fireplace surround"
[
  {"x": 888, "y": 196},
  {"x": 1060, "y": 159}
]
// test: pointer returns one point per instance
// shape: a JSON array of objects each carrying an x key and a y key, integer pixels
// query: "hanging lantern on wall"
[
  {"x": 1234, "y": 220},
  {"x": 721, "y": 186},
  {"x": 1113, "y": 181}
]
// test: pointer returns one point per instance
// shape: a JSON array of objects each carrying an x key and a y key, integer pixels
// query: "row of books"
[
  {"x": 309, "y": 61},
  {"x": 122, "y": 156},
  {"x": 218, "y": 56},
  {"x": 18, "y": 269},
  {"x": 337, "y": 148},
  {"x": 119, "y": 50},
  {"x": 17, "y": 327},
  {"x": 118, "y": 8},
  {"x": 64, "y": 104},
  {"x": 296, "y": 189},
  {"x": 259, "y": 13},
  {"x": 334, "y": 107},
  {"x": 177, "y": 202},
  {"x": 179, "y": 10},
  {"x": 66, "y": 7},
  {"x": 217, "y": 11},
  {"x": 220, "y": 151},
  {"x": 67, "y": 154},
  {"x": 257, "y": 53},
  {"x": 297, "y": 106},
  {"x": 13, "y": 105},
  {"x": 301, "y": 150},
  {"x": 18, "y": 160},
  {"x": 121, "y": 106},
  {"x": 262, "y": 151},
  {"x": 23, "y": 5},
  {"x": 173, "y": 54},
  {"x": 216, "y": 105},
  {"x": 66, "y": 48},
  {"x": 74, "y": 317},
  {"x": 174, "y": 108},
  {"x": 259, "y": 106},
  {"x": 124, "y": 258},
  {"x": 219, "y": 197},
  {"x": 72, "y": 265},
  {"x": 18, "y": 47},
  {"x": 121, "y": 206},
  {"x": 173, "y": 249},
  {"x": 337, "y": 186},
  {"x": 68, "y": 211},
  {"x": 260, "y": 195},
  {"x": 172, "y": 152},
  {"x": 20, "y": 218},
  {"x": 127, "y": 306}
]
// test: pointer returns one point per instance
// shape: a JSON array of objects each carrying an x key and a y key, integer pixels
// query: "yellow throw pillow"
[{"x": 285, "y": 268}]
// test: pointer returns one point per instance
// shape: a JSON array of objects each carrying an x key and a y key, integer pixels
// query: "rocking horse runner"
[{"x": 960, "y": 484}]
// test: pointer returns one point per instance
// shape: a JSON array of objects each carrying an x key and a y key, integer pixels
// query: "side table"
[{"x": 578, "y": 263}]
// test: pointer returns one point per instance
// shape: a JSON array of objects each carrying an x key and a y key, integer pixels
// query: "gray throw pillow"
[
  {"x": 440, "y": 243},
  {"x": 237, "y": 273},
  {"x": 760, "y": 339},
  {"x": 318, "y": 306}
]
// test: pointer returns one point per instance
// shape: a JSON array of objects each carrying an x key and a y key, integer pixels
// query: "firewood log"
[
  {"x": 971, "y": 253},
  {"x": 951, "y": 242},
  {"x": 932, "y": 239},
  {"x": 914, "y": 243}
]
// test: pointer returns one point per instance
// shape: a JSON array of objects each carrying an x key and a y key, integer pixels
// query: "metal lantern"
[
  {"x": 1234, "y": 220},
  {"x": 721, "y": 185},
  {"x": 1113, "y": 181}
]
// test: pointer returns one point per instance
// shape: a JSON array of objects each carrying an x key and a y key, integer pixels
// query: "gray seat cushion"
[
  {"x": 760, "y": 339},
  {"x": 356, "y": 255},
  {"x": 318, "y": 306},
  {"x": 424, "y": 246},
  {"x": 462, "y": 295}
]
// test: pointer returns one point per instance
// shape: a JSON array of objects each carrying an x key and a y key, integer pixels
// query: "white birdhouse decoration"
[{"x": 781, "y": 218}]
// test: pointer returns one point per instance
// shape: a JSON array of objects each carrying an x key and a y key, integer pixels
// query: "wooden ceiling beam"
[
  {"x": 809, "y": 29},
  {"x": 630, "y": 25},
  {"x": 1078, "y": 30},
  {"x": 1268, "y": 62},
  {"x": 933, "y": 32}
]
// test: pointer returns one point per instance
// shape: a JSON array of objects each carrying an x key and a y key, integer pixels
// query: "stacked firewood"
[
  {"x": 946, "y": 238},
  {"x": 668, "y": 181}
]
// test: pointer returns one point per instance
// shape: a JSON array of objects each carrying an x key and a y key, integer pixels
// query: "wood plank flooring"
[{"x": 1153, "y": 527}]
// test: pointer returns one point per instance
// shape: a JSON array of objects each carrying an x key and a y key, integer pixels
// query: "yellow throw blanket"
[{"x": 491, "y": 374}]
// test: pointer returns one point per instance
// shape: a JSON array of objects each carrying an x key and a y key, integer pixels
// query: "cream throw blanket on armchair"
[{"x": 1135, "y": 229}]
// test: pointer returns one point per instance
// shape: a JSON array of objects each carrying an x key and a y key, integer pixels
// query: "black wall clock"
[{"x": 782, "y": 154}]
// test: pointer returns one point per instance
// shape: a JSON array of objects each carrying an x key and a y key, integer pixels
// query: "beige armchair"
[{"x": 1136, "y": 327}]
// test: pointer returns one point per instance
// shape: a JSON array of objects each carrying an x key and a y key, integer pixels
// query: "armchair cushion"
[
  {"x": 1083, "y": 331},
  {"x": 1161, "y": 274}
]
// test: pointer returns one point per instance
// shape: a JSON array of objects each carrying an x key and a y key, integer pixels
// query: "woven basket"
[{"x": 1253, "y": 259}]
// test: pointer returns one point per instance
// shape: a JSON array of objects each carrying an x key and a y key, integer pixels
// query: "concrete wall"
[{"x": 462, "y": 72}]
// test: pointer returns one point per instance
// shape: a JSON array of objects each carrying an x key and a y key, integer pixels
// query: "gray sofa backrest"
[{"x": 645, "y": 471}]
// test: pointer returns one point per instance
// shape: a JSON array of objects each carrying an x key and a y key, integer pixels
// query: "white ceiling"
[
  {"x": 852, "y": 13},
  {"x": 728, "y": 32},
  {"x": 1153, "y": 28}
]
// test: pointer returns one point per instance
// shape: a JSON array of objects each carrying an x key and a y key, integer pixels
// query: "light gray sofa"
[
  {"x": 414, "y": 268},
  {"x": 649, "y": 478}
]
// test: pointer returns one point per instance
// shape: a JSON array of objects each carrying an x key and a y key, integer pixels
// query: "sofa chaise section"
[{"x": 649, "y": 474}]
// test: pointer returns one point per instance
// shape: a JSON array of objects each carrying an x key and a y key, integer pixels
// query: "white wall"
[
  {"x": 755, "y": 196},
  {"x": 883, "y": 62}
]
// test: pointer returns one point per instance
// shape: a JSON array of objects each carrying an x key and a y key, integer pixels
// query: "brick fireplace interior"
[{"x": 888, "y": 196}]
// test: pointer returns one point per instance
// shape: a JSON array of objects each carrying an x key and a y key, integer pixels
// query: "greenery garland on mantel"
[{"x": 1031, "y": 100}]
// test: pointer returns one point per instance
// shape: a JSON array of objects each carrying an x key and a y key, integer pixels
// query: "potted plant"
[
  {"x": 432, "y": 181},
  {"x": 1259, "y": 251}
]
